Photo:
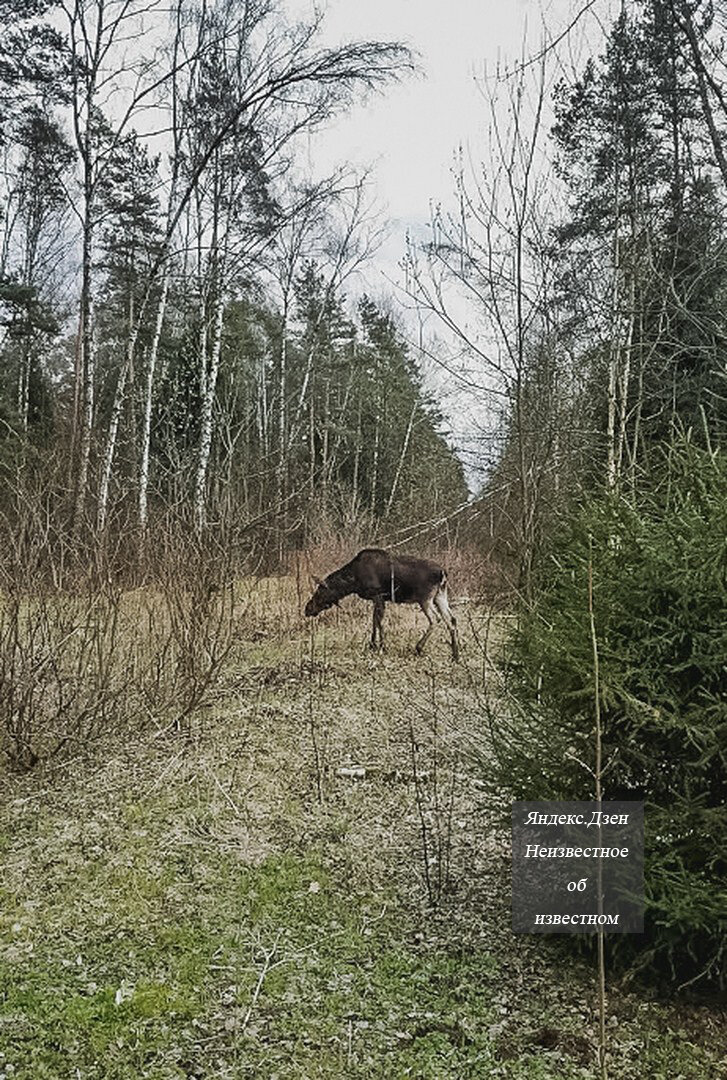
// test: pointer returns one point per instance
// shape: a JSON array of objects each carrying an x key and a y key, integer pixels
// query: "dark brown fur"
[{"x": 376, "y": 575}]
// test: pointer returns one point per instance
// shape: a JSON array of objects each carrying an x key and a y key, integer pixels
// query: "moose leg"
[
  {"x": 379, "y": 607},
  {"x": 442, "y": 605},
  {"x": 428, "y": 608}
]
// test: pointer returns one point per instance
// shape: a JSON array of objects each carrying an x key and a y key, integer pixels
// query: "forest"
[{"x": 237, "y": 842}]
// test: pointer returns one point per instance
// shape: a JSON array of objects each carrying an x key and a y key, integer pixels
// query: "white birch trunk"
[
  {"x": 611, "y": 416},
  {"x": 282, "y": 404},
  {"x": 614, "y": 349},
  {"x": 87, "y": 378},
  {"x": 402, "y": 456},
  {"x": 116, "y": 409},
  {"x": 208, "y": 401},
  {"x": 375, "y": 461},
  {"x": 108, "y": 460},
  {"x": 356, "y": 466},
  {"x": 23, "y": 387},
  {"x": 264, "y": 409},
  {"x": 148, "y": 405}
]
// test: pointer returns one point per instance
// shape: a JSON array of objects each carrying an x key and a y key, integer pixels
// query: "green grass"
[{"x": 162, "y": 987}]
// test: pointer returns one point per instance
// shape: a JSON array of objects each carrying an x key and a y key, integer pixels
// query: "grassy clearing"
[{"x": 228, "y": 905}]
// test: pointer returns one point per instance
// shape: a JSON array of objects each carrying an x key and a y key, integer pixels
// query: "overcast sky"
[{"x": 411, "y": 133}]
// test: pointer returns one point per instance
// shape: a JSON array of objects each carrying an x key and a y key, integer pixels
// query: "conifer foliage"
[{"x": 660, "y": 595}]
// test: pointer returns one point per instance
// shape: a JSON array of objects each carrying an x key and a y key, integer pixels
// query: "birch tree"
[
  {"x": 479, "y": 276},
  {"x": 108, "y": 90},
  {"x": 263, "y": 130},
  {"x": 276, "y": 85}
]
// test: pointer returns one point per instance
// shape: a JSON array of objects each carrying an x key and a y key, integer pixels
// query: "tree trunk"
[
  {"x": 375, "y": 461},
  {"x": 356, "y": 467},
  {"x": 402, "y": 456},
  {"x": 282, "y": 465},
  {"x": 209, "y": 390},
  {"x": 86, "y": 373},
  {"x": 148, "y": 405},
  {"x": 116, "y": 409},
  {"x": 108, "y": 460},
  {"x": 625, "y": 381}
]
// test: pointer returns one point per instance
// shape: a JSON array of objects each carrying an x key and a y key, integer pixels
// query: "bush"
[
  {"x": 660, "y": 592},
  {"x": 64, "y": 671},
  {"x": 84, "y": 664}
]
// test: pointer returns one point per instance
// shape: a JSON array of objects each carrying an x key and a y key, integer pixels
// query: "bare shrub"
[
  {"x": 435, "y": 778},
  {"x": 83, "y": 656},
  {"x": 191, "y": 624},
  {"x": 64, "y": 670}
]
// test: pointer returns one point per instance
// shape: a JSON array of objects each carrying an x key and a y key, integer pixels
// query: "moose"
[{"x": 376, "y": 575}]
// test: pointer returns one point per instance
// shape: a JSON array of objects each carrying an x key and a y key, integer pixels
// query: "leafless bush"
[
  {"x": 83, "y": 655},
  {"x": 195, "y": 626},
  {"x": 435, "y": 788},
  {"x": 64, "y": 672}
]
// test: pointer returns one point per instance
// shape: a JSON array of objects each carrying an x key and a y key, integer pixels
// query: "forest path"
[{"x": 237, "y": 902}]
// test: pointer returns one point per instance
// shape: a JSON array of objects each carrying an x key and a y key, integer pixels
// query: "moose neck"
[{"x": 341, "y": 583}]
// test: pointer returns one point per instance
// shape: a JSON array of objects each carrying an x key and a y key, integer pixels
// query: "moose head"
[{"x": 324, "y": 597}]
